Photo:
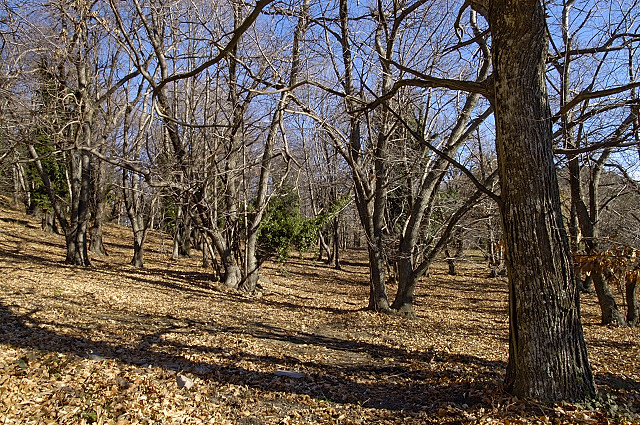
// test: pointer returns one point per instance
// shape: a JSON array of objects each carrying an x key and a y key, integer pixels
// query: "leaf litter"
[{"x": 167, "y": 344}]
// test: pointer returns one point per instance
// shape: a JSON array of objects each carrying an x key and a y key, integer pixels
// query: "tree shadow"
[
  {"x": 16, "y": 258},
  {"x": 616, "y": 382},
  {"x": 298, "y": 307},
  {"x": 442, "y": 380}
]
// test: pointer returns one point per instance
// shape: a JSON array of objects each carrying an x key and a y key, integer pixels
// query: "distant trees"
[
  {"x": 594, "y": 128},
  {"x": 69, "y": 96},
  {"x": 210, "y": 122}
]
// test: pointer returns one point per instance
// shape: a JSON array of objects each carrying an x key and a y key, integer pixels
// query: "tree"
[
  {"x": 580, "y": 60},
  {"x": 69, "y": 94},
  {"x": 546, "y": 339},
  {"x": 262, "y": 195},
  {"x": 369, "y": 181},
  {"x": 547, "y": 351},
  {"x": 205, "y": 190},
  {"x": 426, "y": 186}
]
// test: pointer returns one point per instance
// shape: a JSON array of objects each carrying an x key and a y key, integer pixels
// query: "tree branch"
[
  {"x": 237, "y": 33},
  {"x": 586, "y": 94}
]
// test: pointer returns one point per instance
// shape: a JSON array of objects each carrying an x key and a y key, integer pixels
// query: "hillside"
[{"x": 113, "y": 344}]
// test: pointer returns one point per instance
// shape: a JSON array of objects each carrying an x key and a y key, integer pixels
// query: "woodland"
[{"x": 200, "y": 197}]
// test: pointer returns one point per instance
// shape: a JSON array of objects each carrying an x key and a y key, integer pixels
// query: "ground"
[{"x": 113, "y": 344}]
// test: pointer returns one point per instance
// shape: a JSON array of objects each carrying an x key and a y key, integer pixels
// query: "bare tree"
[{"x": 580, "y": 61}]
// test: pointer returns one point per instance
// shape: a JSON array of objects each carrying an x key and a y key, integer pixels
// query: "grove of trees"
[{"x": 409, "y": 128}]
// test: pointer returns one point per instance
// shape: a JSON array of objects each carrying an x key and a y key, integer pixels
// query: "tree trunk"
[
  {"x": 182, "y": 235},
  {"x": 262, "y": 197},
  {"x": 139, "y": 225},
  {"x": 49, "y": 222},
  {"x": 253, "y": 264},
  {"x": 610, "y": 313},
  {"x": 450, "y": 262},
  {"x": 547, "y": 351},
  {"x": 378, "y": 300},
  {"x": 633, "y": 308},
  {"x": 76, "y": 233},
  {"x": 407, "y": 282},
  {"x": 97, "y": 244},
  {"x": 98, "y": 209},
  {"x": 336, "y": 244},
  {"x": 138, "y": 251},
  {"x": 323, "y": 246},
  {"x": 232, "y": 272}
]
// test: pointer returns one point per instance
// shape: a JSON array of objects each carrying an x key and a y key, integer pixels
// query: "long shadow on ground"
[{"x": 441, "y": 379}]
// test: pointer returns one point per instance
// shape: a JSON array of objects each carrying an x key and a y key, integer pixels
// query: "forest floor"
[{"x": 113, "y": 344}]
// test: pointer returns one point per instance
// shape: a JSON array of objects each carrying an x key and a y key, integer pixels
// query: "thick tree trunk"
[
  {"x": 232, "y": 272},
  {"x": 547, "y": 351}
]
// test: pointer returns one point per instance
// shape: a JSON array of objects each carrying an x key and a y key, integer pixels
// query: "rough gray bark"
[{"x": 547, "y": 352}]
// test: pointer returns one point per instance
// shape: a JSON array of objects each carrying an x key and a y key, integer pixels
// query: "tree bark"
[
  {"x": 407, "y": 282},
  {"x": 633, "y": 307},
  {"x": 138, "y": 250},
  {"x": 378, "y": 300},
  {"x": 547, "y": 351},
  {"x": 610, "y": 313},
  {"x": 99, "y": 192}
]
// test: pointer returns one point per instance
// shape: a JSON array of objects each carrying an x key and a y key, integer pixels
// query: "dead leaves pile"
[{"x": 166, "y": 345}]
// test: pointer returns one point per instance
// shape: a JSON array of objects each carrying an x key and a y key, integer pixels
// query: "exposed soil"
[{"x": 107, "y": 344}]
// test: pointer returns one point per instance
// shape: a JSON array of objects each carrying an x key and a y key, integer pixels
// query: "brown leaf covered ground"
[{"x": 105, "y": 345}]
